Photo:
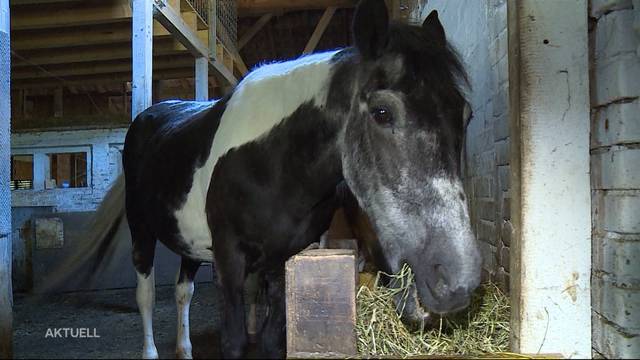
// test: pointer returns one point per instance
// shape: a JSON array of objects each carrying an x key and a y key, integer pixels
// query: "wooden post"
[
  {"x": 550, "y": 185},
  {"x": 202, "y": 79},
  {"x": 142, "y": 32},
  {"x": 213, "y": 22},
  {"x": 321, "y": 304},
  {"x": 6, "y": 298}
]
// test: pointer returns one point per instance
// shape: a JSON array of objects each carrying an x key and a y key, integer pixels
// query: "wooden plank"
[
  {"x": 142, "y": 44},
  {"x": 320, "y": 303},
  {"x": 253, "y": 30},
  {"x": 79, "y": 36},
  {"x": 92, "y": 53},
  {"x": 202, "y": 79},
  {"x": 99, "y": 67},
  {"x": 551, "y": 290},
  {"x": 257, "y": 7},
  {"x": 319, "y": 30},
  {"x": 76, "y": 14}
]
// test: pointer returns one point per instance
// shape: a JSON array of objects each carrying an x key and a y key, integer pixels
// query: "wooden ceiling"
[{"x": 75, "y": 43}]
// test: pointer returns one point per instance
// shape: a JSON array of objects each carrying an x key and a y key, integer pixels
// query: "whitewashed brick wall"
[
  {"x": 102, "y": 144},
  {"x": 478, "y": 30},
  {"x": 615, "y": 169}
]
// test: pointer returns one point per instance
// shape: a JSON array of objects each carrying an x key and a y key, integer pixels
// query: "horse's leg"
[
  {"x": 230, "y": 265},
  {"x": 184, "y": 294},
  {"x": 272, "y": 336},
  {"x": 143, "y": 252}
]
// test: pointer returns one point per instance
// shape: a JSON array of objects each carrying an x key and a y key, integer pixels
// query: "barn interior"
[{"x": 76, "y": 70}]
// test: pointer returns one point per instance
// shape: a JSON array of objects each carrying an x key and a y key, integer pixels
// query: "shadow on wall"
[{"x": 42, "y": 240}]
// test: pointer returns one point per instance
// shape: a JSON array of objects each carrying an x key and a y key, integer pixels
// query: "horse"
[{"x": 248, "y": 180}]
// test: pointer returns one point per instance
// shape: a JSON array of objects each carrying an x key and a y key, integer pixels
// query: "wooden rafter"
[
  {"x": 78, "y": 14},
  {"x": 257, "y": 7},
  {"x": 92, "y": 53},
  {"x": 319, "y": 30},
  {"x": 257, "y": 26},
  {"x": 98, "y": 67},
  {"x": 78, "y": 36},
  {"x": 178, "y": 73}
]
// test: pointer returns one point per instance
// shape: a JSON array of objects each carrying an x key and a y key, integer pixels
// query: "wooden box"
[{"x": 321, "y": 304}]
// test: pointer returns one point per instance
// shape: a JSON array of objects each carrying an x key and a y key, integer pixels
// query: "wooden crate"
[{"x": 321, "y": 304}]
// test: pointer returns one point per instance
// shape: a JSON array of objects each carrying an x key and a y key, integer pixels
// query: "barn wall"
[
  {"x": 103, "y": 153},
  {"x": 478, "y": 30},
  {"x": 615, "y": 168}
]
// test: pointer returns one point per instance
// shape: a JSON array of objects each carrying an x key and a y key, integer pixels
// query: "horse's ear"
[
  {"x": 434, "y": 28},
  {"x": 371, "y": 28}
]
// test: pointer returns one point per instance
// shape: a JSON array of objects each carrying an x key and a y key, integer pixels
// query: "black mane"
[{"x": 428, "y": 58}]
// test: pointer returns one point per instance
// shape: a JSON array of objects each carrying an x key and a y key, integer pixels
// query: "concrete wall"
[
  {"x": 478, "y": 30},
  {"x": 615, "y": 168}
]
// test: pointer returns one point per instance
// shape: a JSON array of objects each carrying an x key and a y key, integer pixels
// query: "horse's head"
[{"x": 401, "y": 154}]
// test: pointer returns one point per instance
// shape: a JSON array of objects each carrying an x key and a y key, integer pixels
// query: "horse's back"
[{"x": 165, "y": 145}]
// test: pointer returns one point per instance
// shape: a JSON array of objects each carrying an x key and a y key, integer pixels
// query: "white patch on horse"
[
  {"x": 452, "y": 214},
  {"x": 146, "y": 297},
  {"x": 191, "y": 218},
  {"x": 262, "y": 100},
  {"x": 184, "y": 294}
]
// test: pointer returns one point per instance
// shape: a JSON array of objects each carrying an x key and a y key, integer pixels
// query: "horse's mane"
[{"x": 431, "y": 59}]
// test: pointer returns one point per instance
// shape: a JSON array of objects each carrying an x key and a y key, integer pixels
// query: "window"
[
  {"x": 67, "y": 170},
  {"x": 21, "y": 172}
]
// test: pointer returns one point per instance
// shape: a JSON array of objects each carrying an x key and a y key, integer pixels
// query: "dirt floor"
[{"x": 114, "y": 316}]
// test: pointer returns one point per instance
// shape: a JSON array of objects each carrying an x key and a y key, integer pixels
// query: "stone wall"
[
  {"x": 103, "y": 154},
  {"x": 478, "y": 30},
  {"x": 615, "y": 168}
]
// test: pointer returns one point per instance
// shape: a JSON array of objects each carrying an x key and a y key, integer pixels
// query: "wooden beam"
[
  {"x": 550, "y": 290},
  {"x": 78, "y": 36},
  {"x": 253, "y": 30},
  {"x": 112, "y": 78},
  {"x": 319, "y": 30},
  {"x": 176, "y": 26},
  {"x": 257, "y": 7},
  {"x": 38, "y": 2},
  {"x": 98, "y": 67},
  {"x": 142, "y": 44},
  {"x": 92, "y": 53},
  {"x": 75, "y": 14},
  {"x": 202, "y": 77}
]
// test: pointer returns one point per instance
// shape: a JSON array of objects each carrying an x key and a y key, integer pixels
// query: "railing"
[
  {"x": 227, "y": 21},
  {"x": 226, "y": 18},
  {"x": 201, "y": 7}
]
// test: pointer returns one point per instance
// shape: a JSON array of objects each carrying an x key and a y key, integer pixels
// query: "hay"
[{"x": 483, "y": 329}]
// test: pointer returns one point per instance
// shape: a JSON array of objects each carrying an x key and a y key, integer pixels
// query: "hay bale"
[{"x": 480, "y": 330}]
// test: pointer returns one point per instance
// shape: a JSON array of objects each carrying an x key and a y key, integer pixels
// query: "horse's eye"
[{"x": 382, "y": 116}]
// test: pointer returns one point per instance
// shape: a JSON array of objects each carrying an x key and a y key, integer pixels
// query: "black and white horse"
[{"x": 249, "y": 180}]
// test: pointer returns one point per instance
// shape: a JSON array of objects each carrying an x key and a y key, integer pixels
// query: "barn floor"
[{"x": 114, "y": 315}]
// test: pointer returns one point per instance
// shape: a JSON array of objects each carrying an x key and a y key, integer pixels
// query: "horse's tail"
[{"x": 98, "y": 247}]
